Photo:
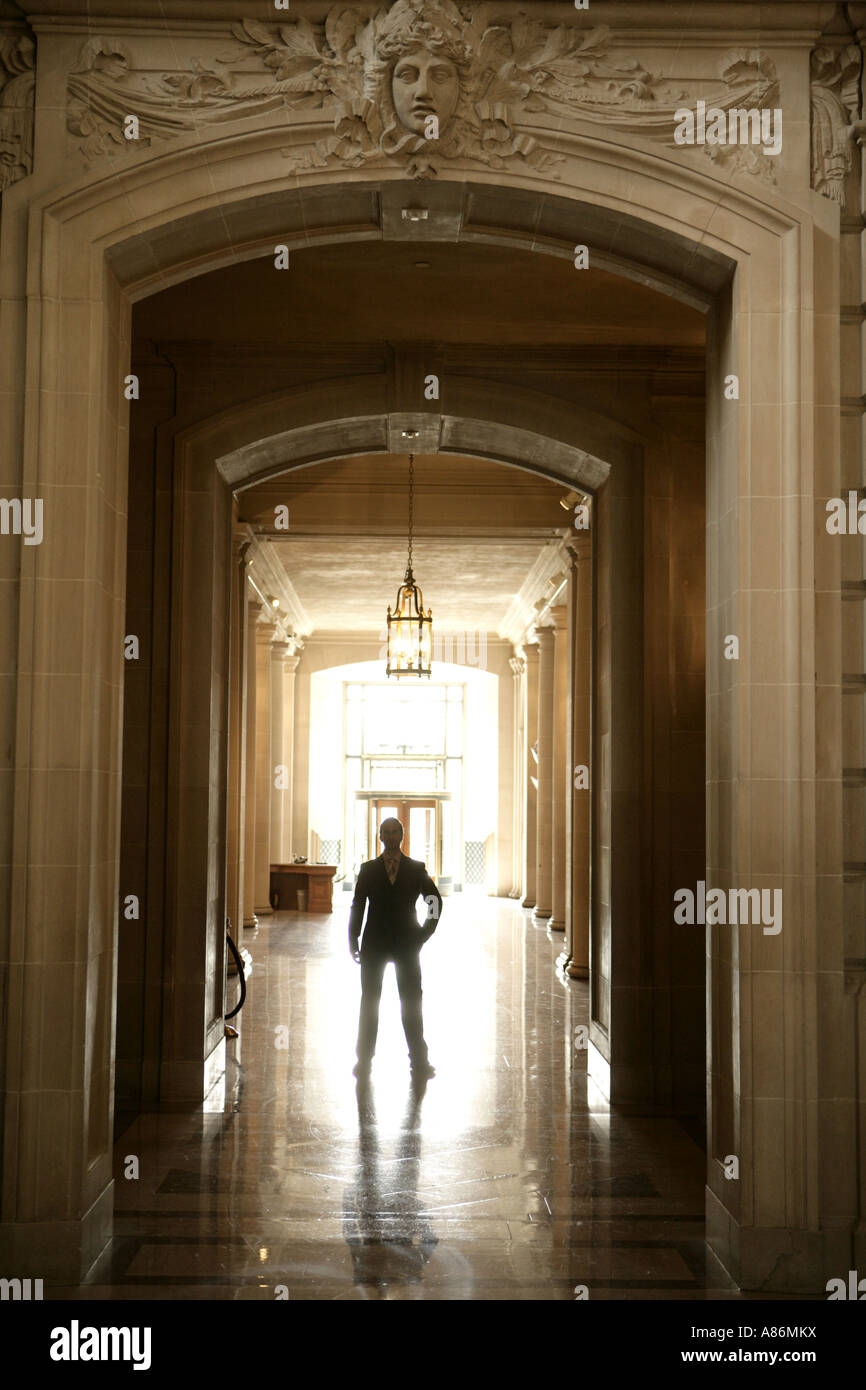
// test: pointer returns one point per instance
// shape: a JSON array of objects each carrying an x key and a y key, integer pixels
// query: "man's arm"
[
  {"x": 433, "y": 899},
  {"x": 356, "y": 914}
]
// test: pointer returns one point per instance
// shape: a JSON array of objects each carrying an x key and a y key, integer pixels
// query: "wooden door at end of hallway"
[{"x": 420, "y": 819}]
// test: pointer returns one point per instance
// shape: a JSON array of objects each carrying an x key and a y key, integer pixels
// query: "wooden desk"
[{"x": 316, "y": 879}]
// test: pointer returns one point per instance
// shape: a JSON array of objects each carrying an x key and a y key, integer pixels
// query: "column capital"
[
  {"x": 517, "y": 664},
  {"x": 265, "y": 630},
  {"x": 559, "y": 616},
  {"x": 243, "y": 538},
  {"x": 579, "y": 548},
  {"x": 291, "y": 663}
]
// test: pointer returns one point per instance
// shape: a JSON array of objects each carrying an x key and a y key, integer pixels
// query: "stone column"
[
  {"x": 249, "y": 818},
  {"x": 237, "y": 718},
  {"x": 264, "y": 772},
  {"x": 844, "y": 1000},
  {"x": 518, "y": 853},
  {"x": 560, "y": 780},
  {"x": 290, "y": 667},
  {"x": 544, "y": 817},
  {"x": 530, "y": 772},
  {"x": 575, "y": 953},
  {"x": 279, "y": 780}
]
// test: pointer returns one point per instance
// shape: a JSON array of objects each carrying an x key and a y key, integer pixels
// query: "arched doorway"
[{"x": 82, "y": 228}]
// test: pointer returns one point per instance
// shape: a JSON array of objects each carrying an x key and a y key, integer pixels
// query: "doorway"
[{"x": 422, "y": 827}]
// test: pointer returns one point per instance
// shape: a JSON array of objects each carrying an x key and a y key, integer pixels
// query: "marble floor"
[{"x": 502, "y": 1180}]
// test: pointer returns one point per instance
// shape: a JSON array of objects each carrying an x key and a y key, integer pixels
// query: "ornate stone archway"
[{"x": 77, "y": 253}]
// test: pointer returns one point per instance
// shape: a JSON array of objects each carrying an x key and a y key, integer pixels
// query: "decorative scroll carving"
[
  {"x": 17, "y": 83},
  {"x": 835, "y": 105},
  {"x": 421, "y": 81}
]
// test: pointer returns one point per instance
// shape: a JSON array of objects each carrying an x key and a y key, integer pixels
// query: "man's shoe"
[{"x": 424, "y": 1069}]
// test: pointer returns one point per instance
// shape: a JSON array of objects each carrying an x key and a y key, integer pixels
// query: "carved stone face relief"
[
  {"x": 377, "y": 79},
  {"x": 424, "y": 84}
]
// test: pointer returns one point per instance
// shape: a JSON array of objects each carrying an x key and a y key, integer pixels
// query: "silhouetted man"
[{"x": 392, "y": 885}]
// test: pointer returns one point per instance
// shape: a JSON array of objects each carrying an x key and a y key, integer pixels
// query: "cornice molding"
[
  {"x": 523, "y": 611},
  {"x": 267, "y": 572},
  {"x": 607, "y": 359},
  {"x": 633, "y": 19}
]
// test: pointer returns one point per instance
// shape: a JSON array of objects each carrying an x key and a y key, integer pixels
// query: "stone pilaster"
[
  {"x": 544, "y": 816},
  {"x": 290, "y": 668},
  {"x": 530, "y": 773},
  {"x": 279, "y": 780},
  {"x": 249, "y": 816},
  {"x": 264, "y": 771},
  {"x": 842, "y": 996},
  {"x": 579, "y": 741},
  {"x": 518, "y": 853},
  {"x": 560, "y": 779},
  {"x": 237, "y": 724}
]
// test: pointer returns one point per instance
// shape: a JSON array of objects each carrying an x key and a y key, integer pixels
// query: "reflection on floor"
[{"x": 498, "y": 1182}]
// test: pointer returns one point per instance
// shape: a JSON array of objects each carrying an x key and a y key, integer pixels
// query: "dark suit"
[{"x": 392, "y": 933}]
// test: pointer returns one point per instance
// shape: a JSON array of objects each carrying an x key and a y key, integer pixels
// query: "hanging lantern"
[{"x": 410, "y": 629}]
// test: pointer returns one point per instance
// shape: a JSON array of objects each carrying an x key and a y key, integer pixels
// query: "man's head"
[{"x": 391, "y": 833}]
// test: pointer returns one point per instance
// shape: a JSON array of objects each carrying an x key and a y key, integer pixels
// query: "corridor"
[{"x": 500, "y": 1182}]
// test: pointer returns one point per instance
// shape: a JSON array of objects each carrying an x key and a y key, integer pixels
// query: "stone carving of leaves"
[
  {"x": 341, "y": 26},
  {"x": 17, "y": 84},
  {"x": 743, "y": 159},
  {"x": 561, "y": 64},
  {"x": 518, "y": 67},
  {"x": 106, "y": 56},
  {"x": 835, "y": 101},
  {"x": 291, "y": 53},
  {"x": 750, "y": 67},
  {"x": 196, "y": 87}
]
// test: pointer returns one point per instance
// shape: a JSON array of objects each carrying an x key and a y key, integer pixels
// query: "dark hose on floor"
[{"x": 240, "y": 965}]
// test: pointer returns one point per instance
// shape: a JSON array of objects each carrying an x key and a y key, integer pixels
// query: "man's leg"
[
  {"x": 408, "y": 968},
  {"x": 372, "y": 971}
]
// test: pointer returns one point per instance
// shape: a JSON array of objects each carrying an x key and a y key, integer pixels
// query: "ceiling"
[
  {"x": 381, "y": 291},
  {"x": 349, "y": 584},
  {"x": 454, "y": 495},
  {"x": 479, "y": 530}
]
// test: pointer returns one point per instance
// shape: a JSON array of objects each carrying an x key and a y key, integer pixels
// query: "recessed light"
[{"x": 422, "y": 265}]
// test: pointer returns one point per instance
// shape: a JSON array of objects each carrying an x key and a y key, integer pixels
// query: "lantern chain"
[{"x": 411, "y": 506}]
